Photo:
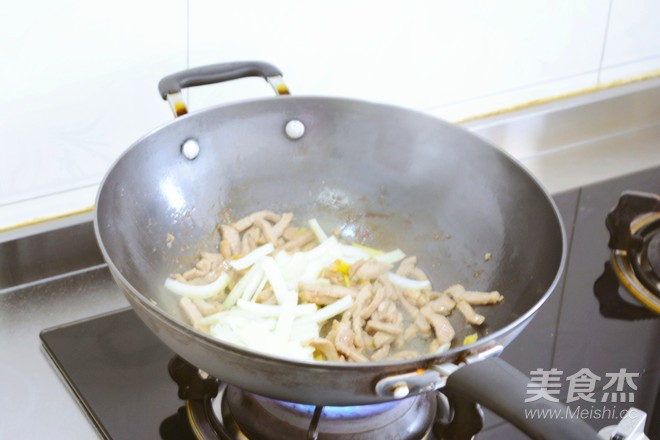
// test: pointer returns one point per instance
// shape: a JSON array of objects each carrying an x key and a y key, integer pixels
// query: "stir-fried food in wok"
[{"x": 297, "y": 292}]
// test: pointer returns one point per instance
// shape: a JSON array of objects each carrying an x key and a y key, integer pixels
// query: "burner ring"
[
  {"x": 625, "y": 268},
  {"x": 203, "y": 422},
  {"x": 230, "y": 416},
  {"x": 260, "y": 417}
]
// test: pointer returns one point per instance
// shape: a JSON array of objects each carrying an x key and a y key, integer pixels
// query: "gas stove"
[
  {"x": 132, "y": 386},
  {"x": 592, "y": 324}
]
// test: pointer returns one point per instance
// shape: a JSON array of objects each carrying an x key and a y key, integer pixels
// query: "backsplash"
[{"x": 80, "y": 77}]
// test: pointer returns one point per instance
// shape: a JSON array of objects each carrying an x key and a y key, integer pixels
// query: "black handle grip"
[
  {"x": 215, "y": 73},
  {"x": 503, "y": 389}
]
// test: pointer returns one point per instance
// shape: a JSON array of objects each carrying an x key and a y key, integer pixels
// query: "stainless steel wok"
[{"x": 409, "y": 180}]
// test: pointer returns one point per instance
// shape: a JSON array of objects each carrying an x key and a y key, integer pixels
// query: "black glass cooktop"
[{"x": 118, "y": 370}]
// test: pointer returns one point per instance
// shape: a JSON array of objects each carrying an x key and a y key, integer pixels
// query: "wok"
[{"x": 399, "y": 177}]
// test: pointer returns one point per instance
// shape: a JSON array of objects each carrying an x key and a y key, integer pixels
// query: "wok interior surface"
[{"x": 389, "y": 177}]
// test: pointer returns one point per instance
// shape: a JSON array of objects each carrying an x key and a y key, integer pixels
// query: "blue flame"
[{"x": 342, "y": 412}]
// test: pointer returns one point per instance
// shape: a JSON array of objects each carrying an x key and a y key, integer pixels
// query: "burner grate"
[
  {"x": 223, "y": 412},
  {"x": 634, "y": 226}
]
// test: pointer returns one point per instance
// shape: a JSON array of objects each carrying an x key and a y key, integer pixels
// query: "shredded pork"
[{"x": 385, "y": 319}]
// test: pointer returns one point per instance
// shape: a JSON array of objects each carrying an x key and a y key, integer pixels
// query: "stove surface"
[
  {"x": 571, "y": 332},
  {"x": 118, "y": 369},
  {"x": 578, "y": 329}
]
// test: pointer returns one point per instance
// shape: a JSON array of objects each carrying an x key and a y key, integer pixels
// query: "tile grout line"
[
  {"x": 37, "y": 196},
  {"x": 602, "y": 51}
]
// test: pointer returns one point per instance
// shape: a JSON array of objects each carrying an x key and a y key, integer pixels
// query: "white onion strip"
[
  {"x": 352, "y": 253},
  {"x": 327, "y": 312},
  {"x": 261, "y": 286},
  {"x": 321, "y": 236},
  {"x": 272, "y": 311},
  {"x": 275, "y": 279},
  {"x": 253, "y": 257},
  {"x": 239, "y": 288},
  {"x": 287, "y": 315},
  {"x": 304, "y": 331},
  {"x": 407, "y": 283},
  {"x": 368, "y": 251},
  {"x": 198, "y": 292},
  {"x": 232, "y": 316},
  {"x": 331, "y": 245},
  {"x": 256, "y": 279},
  {"x": 391, "y": 257}
]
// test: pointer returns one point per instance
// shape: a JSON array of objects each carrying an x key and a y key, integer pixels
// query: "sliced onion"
[
  {"x": 261, "y": 286},
  {"x": 202, "y": 291},
  {"x": 267, "y": 342},
  {"x": 267, "y": 310},
  {"x": 294, "y": 269},
  {"x": 321, "y": 236},
  {"x": 369, "y": 250},
  {"x": 239, "y": 288},
  {"x": 312, "y": 271},
  {"x": 247, "y": 329},
  {"x": 287, "y": 315},
  {"x": 407, "y": 283},
  {"x": 253, "y": 285},
  {"x": 329, "y": 311},
  {"x": 226, "y": 316},
  {"x": 251, "y": 258},
  {"x": 391, "y": 257},
  {"x": 353, "y": 253},
  {"x": 328, "y": 246},
  {"x": 275, "y": 279},
  {"x": 304, "y": 331},
  {"x": 283, "y": 259}
]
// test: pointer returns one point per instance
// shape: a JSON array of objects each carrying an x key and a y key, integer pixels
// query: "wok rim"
[{"x": 480, "y": 345}]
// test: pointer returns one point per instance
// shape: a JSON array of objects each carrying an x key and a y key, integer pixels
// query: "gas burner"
[
  {"x": 223, "y": 412},
  {"x": 634, "y": 226},
  {"x": 639, "y": 270},
  {"x": 258, "y": 417},
  {"x": 615, "y": 301}
]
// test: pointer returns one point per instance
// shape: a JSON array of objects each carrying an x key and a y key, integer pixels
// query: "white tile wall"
[
  {"x": 79, "y": 86},
  {"x": 80, "y": 77},
  {"x": 632, "y": 32},
  {"x": 423, "y": 53},
  {"x": 632, "y": 46}
]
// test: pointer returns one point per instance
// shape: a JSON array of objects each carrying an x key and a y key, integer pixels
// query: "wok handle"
[
  {"x": 503, "y": 389},
  {"x": 171, "y": 86}
]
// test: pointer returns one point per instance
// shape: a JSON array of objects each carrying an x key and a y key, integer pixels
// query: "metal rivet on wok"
[
  {"x": 190, "y": 149},
  {"x": 294, "y": 129}
]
